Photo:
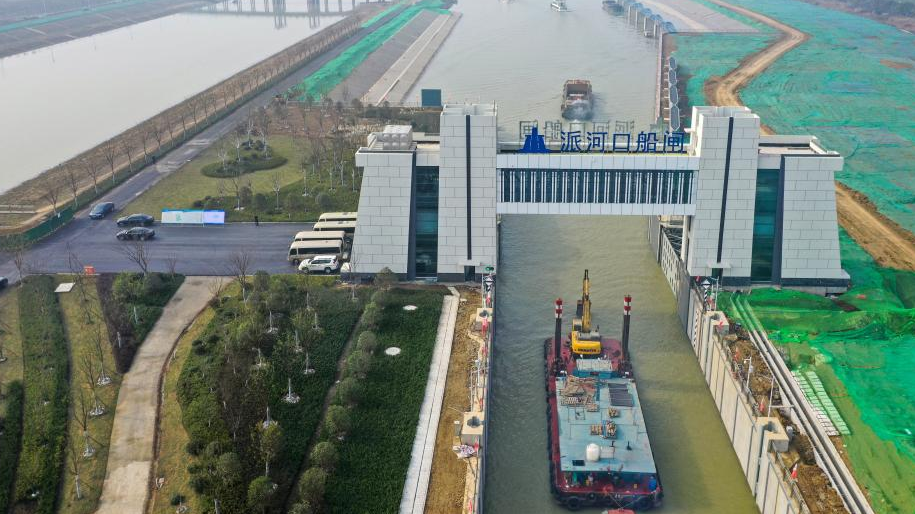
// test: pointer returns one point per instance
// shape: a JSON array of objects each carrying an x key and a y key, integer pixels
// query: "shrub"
[
  {"x": 348, "y": 391},
  {"x": 357, "y": 364},
  {"x": 325, "y": 203},
  {"x": 385, "y": 279},
  {"x": 337, "y": 421},
  {"x": 371, "y": 315},
  {"x": 367, "y": 342},
  {"x": 294, "y": 202},
  {"x": 260, "y": 202},
  {"x": 302, "y": 507},
  {"x": 45, "y": 368},
  {"x": 324, "y": 456},
  {"x": 259, "y": 491},
  {"x": 177, "y": 499},
  {"x": 10, "y": 434},
  {"x": 250, "y": 162},
  {"x": 311, "y": 488}
]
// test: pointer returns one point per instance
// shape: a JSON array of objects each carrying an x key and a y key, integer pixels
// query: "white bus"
[
  {"x": 315, "y": 236},
  {"x": 301, "y": 250},
  {"x": 329, "y": 226},
  {"x": 338, "y": 216}
]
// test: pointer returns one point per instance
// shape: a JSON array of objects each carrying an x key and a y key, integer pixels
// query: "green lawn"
[
  {"x": 376, "y": 451},
  {"x": 87, "y": 334},
  {"x": 188, "y": 185},
  {"x": 173, "y": 460}
]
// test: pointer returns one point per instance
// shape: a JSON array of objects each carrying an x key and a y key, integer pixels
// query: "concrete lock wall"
[{"x": 756, "y": 439}]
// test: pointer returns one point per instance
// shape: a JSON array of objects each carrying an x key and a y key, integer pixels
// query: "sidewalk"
[{"x": 130, "y": 457}]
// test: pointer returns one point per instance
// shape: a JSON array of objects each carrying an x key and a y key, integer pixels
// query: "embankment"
[
  {"x": 889, "y": 243},
  {"x": 112, "y": 161}
]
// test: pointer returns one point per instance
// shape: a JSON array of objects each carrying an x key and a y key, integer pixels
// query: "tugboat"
[
  {"x": 576, "y": 99},
  {"x": 612, "y": 7},
  {"x": 599, "y": 451}
]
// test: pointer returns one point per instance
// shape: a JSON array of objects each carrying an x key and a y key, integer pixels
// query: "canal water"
[
  {"x": 61, "y": 100},
  {"x": 518, "y": 54}
]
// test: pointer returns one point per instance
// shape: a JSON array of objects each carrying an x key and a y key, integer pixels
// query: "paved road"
[
  {"x": 200, "y": 250},
  {"x": 131, "y": 454}
]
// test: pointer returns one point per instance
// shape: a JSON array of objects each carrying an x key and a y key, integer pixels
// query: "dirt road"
[{"x": 887, "y": 242}]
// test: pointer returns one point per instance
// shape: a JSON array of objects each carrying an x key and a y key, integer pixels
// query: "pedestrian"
[{"x": 257, "y": 222}]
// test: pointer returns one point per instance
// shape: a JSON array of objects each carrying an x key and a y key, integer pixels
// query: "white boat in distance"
[{"x": 559, "y": 5}]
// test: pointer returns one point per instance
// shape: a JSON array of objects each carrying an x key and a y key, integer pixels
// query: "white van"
[{"x": 304, "y": 250}]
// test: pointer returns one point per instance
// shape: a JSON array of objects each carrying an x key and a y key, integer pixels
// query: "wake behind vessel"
[{"x": 599, "y": 450}]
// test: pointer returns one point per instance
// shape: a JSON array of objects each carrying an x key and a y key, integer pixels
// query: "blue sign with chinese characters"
[{"x": 597, "y": 141}]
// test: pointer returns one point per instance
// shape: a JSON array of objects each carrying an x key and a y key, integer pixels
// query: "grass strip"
[
  {"x": 88, "y": 338},
  {"x": 378, "y": 17},
  {"x": 45, "y": 368},
  {"x": 375, "y": 454}
]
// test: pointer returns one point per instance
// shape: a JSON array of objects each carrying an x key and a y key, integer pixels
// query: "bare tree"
[
  {"x": 236, "y": 185},
  {"x": 158, "y": 134},
  {"x": 16, "y": 245},
  {"x": 138, "y": 253},
  {"x": 216, "y": 286},
  {"x": 144, "y": 136},
  {"x": 75, "y": 466},
  {"x": 73, "y": 183},
  {"x": 171, "y": 263},
  {"x": 93, "y": 171},
  {"x": 277, "y": 184},
  {"x": 110, "y": 152},
  {"x": 52, "y": 195},
  {"x": 223, "y": 155},
  {"x": 239, "y": 266},
  {"x": 127, "y": 146}
]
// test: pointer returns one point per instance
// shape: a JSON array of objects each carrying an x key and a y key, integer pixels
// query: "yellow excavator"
[{"x": 585, "y": 341}]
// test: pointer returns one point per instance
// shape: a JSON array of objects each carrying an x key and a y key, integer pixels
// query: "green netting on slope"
[
  {"x": 375, "y": 19},
  {"x": 334, "y": 72},
  {"x": 850, "y": 85},
  {"x": 862, "y": 346}
]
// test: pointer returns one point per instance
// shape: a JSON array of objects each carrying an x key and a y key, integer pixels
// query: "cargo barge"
[
  {"x": 577, "y": 99},
  {"x": 599, "y": 450}
]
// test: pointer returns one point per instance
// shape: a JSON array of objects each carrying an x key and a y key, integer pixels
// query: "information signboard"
[{"x": 192, "y": 217}]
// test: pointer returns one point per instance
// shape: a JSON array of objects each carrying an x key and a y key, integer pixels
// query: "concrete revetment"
[{"x": 752, "y": 208}]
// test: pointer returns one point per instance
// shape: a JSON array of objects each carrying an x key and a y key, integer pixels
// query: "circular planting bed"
[{"x": 392, "y": 351}]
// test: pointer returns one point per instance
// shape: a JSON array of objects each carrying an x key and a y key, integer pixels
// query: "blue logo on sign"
[{"x": 533, "y": 143}]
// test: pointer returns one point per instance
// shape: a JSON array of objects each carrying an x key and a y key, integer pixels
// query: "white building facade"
[{"x": 755, "y": 208}]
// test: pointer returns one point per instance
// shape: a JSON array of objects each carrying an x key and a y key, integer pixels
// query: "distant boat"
[
  {"x": 559, "y": 5},
  {"x": 576, "y": 99}
]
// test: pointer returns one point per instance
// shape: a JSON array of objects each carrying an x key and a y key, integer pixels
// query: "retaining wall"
[{"x": 756, "y": 439}]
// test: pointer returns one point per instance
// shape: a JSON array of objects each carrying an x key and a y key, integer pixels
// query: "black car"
[
  {"x": 100, "y": 210},
  {"x": 141, "y": 233},
  {"x": 4, "y": 282},
  {"x": 134, "y": 220}
]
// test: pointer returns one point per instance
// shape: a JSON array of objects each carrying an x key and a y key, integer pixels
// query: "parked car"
[
  {"x": 135, "y": 220},
  {"x": 100, "y": 210},
  {"x": 320, "y": 264},
  {"x": 141, "y": 233},
  {"x": 4, "y": 282}
]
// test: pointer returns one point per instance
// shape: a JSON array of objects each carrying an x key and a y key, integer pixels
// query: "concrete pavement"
[{"x": 131, "y": 453}]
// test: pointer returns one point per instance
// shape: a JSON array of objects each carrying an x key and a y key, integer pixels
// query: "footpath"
[{"x": 130, "y": 456}]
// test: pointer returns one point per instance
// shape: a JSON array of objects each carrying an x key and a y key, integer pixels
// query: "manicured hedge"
[
  {"x": 374, "y": 456},
  {"x": 250, "y": 161},
  {"x": 222, "y": 393},
  {"x": 45, "y": 369},
  {"x": 119, "y": 295},
  {"x": 10, "y": 434}
]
